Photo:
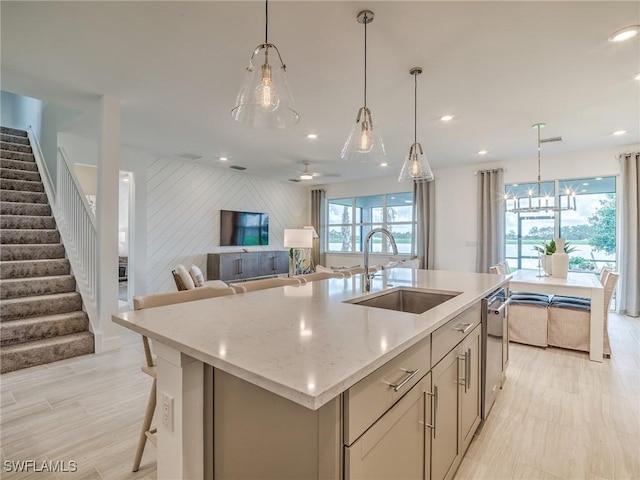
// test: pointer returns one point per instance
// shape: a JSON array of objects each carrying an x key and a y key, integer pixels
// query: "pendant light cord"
[
  {"x": 539, "y": 161},
  {"x": 415, "y": 108},
  {"x": 365, "y": 59},
  {"x": 266, "y": 22}
]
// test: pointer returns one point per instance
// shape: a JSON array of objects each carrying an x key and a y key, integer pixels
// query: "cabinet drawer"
[
  {"x": 444, "y": 339},
  {"x": 368, "y": 399},
  {"x": 394, "y": 446}
]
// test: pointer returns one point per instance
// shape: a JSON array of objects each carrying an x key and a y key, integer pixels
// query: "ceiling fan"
[{"x": 307, "y": 175}]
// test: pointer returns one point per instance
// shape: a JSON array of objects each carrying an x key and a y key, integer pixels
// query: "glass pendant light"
[
  {"x": 265, "y": 100},
  {"x": 416, "y": 166},
  {"x": 364, "y": 144}
]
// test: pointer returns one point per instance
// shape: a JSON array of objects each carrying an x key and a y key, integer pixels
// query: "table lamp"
[{"x": 294, "y": 240}]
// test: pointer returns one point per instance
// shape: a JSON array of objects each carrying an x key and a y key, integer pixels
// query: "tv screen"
[{"x": 243, "y": 228}]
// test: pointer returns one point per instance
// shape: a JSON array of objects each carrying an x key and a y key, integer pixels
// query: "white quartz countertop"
[{"x": 302, "y": 342}]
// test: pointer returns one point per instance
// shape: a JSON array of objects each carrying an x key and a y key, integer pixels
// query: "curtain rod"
[{"x": 499, "y": 169}]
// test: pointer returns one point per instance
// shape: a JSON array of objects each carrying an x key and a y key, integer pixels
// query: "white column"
[
  {"x": 180, "y": 436},
  {"x": 108, "y": 337}
]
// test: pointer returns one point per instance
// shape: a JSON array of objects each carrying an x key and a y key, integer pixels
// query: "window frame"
[
  {"x": 359, "y": 229},
  {"x": 557, "y": 216}
]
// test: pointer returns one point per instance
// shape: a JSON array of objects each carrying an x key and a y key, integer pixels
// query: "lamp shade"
[
  {"x": 298, "y": 238},
  {"x": 310, "y": 227},
  {"x": 265, "y": 100}
]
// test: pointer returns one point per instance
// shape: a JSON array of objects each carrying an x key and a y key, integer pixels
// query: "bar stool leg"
[{"x": 146, "y": 426}]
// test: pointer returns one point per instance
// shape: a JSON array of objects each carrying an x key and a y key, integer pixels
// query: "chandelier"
[{"x": 535, "y": 201}]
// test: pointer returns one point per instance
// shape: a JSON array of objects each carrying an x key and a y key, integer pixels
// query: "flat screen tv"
[{"x": 243, "y": 228}]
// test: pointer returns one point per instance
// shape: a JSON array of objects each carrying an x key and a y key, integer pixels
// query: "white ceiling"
[{"x": 498, "y": 67}]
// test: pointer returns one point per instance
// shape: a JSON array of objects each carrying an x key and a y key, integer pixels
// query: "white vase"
[
  {"x": 547, "y": 264},
  {"x": 560, "y": 260}
]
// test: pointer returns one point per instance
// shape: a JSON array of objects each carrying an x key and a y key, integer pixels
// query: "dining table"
[{"x": 576, "y": 284}]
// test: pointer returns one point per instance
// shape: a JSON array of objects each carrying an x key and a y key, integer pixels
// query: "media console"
[{"x": 233, "y": 266}]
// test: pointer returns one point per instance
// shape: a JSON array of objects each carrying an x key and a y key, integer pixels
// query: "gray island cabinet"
[{"x": 301, "y": 382}]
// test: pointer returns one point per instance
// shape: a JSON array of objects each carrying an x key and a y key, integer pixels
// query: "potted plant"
[{"x": 548, "y": 249}]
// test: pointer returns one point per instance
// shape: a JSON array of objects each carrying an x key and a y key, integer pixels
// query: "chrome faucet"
[{"x": 366, "y": 284}]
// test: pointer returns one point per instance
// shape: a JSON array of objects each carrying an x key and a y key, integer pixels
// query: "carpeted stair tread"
[
  {"x": 13, "y": 131},
  {"x": 30, "y": 354},
  {"x": 21, "y": 185},
  {"x": 27, "y": 222},
  {"x": 15, "y": 308},
  {"x": 21, "y": 236},
  {"x": 36, "y": 286},
  {"x": 38, "y": 328},
  {"x": 16, "y": 155},
  {"x": 15, "y": 147},
  {"x": 6, "y": 137},
  {"x": 10, "y": 252},
  {"x": 17, "y": 164},
  {"x": 25, "y": 197},
  {"x": 15, "y": 174},
  {"x": 34, "y": 268},
  {"x": 29, "y": 209}
]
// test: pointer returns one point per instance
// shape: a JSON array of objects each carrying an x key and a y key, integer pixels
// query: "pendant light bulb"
[
  {"x": 415, "y": 166},
  {"x": 364, "y": 142},
  {"x": 266, "y": 94}
]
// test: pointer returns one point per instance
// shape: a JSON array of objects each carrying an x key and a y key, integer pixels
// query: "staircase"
[{"x": 41, "y": 316}]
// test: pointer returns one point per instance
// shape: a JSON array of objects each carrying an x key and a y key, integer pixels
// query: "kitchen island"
[{"x": 298, "y": 349}]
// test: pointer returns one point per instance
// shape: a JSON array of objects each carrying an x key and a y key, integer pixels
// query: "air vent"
[
  {"x": 189, "y": 156},
  {"x": 236, "y": 167},
  {"x": 296, "y": 180},
  {"x": 551, "y": 140}
]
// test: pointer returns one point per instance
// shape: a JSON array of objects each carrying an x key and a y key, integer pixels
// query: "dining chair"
[
  {"x": 149, "y": 367},
  {"x": 312, "y": 277},
  {"x": 570, "y": 320},
  {"x": 262, "y": 284}
]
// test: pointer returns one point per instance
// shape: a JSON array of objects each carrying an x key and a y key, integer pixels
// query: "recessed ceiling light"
[
  {"x": 638, "y": 76},
  {"x": 482, "y": 152},
  {"x": 223, "y": 159},
  {"x": 312, "y": 136},
  {"x": 384, "y": 164},
  {"x": 624, "y": 33},
  {"x": 446, "y": 118},
  {"x": 617, "y": 133}
]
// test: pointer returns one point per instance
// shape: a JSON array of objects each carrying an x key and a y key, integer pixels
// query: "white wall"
[
  {"x": 455, "y": 197},
  {"x": 20, "y": 112},
  {"x": 184, "y": 202},
  {"x": 176, "y": 210}
]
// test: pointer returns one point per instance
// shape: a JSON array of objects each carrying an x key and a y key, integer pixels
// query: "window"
[
  {"x": 590, "y": 229},
  {"x": 350, "y": 219}
]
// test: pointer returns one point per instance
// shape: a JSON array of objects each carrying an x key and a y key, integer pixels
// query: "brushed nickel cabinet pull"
[{"x": 411, "y": 374}]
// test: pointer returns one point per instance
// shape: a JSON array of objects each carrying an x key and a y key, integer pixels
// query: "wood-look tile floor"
[{"x": 559, "y": 416}]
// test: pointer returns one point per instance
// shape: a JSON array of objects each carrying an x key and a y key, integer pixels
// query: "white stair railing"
[{"x": 76, "y": 224}]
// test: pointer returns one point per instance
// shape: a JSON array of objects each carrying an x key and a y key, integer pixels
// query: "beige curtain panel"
[
  {"x": 317, "y": 220},
  {"x": 629, "y": 269},
  {"x": 490, "y": 237},
  {"x": 424, "y": 200}
]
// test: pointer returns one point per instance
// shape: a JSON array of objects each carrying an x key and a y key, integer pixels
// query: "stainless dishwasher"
[{"x": 493, "y": 332}]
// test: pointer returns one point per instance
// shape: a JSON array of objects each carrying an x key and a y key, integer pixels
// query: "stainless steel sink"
[{"x": 405, "y": 300}]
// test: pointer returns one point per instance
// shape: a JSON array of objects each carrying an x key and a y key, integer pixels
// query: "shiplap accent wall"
[{"x": 183, "y": 213}]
